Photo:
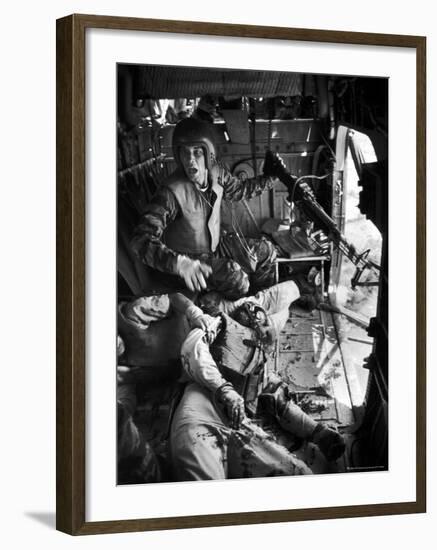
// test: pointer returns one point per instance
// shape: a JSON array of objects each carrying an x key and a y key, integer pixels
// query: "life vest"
[
  {"x": 196, "y": 229},
  {"x": 240, "y": 358}
]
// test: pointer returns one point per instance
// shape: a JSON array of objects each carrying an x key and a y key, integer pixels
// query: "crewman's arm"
[
  {"x": 195, "y": 316},
  {"x": 235, "y": 189},
  {"x": 197, "y": 361},
  {"x": 147, "y": 239}
]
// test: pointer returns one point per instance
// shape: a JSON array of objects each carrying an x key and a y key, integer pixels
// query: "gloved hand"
[
  {"x": 193, "y": 272},
  {"x": 274, "y": 166},
  {"x": 233, "y": 404},
  {"x": 198, "y": 319}
]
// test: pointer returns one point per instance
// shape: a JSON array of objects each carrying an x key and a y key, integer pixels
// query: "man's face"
[{"x": 194, "y": 163}]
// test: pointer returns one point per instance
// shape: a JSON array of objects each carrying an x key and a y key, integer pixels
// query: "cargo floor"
[{"x": 320, "y": 357}]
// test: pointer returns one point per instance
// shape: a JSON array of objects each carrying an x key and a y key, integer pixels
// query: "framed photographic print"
[{"x": 240, "y": 274}]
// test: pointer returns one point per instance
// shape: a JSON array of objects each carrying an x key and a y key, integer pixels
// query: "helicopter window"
[
  {"x": 359, "y": 300},
  {"x": 359, "y": 230}
]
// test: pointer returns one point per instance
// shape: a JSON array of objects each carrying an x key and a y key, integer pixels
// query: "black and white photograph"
[
  {"x": 218, "y": 231},
  {"x": 252, "y": 274}
]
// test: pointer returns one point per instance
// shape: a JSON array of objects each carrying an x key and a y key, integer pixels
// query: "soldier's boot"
[
  {"x": 329, "y": 441},
  {"x": 311, "y": 292},
  {"x": 277, "y": 402}
]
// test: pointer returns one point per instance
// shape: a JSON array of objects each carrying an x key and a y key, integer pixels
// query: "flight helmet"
[{"x": 191, "y": 131}]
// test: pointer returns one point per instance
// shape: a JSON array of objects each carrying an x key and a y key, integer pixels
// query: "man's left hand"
[
  {"x": 208, "y": 324},
  {"x": 233, "y": 404},
  {"x": 198, "y": 319}
]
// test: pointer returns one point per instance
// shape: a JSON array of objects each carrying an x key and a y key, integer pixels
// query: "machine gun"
[{"x": 304, "y": 198}]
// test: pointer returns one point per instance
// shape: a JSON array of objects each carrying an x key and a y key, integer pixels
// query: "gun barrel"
[{"x": 325, "y": 222}]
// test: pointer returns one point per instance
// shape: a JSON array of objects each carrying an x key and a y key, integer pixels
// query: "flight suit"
[{"x": 182, "y": 220}]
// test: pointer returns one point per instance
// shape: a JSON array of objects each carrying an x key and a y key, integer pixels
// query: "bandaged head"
[
  {"x": 252, "y": 315},
  {"x": 229, "y": 279}
]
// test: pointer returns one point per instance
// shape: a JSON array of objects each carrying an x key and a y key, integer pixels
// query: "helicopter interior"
[{"x": 331, "y": 131}]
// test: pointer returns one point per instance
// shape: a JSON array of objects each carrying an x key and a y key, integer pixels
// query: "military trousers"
[{"x": 203, "y": 446}]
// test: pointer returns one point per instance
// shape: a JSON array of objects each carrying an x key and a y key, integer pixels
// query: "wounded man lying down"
[{"x": 215, "y": 433}]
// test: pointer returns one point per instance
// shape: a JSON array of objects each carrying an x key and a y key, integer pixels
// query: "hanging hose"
[{"x": 253, "y": 135}]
